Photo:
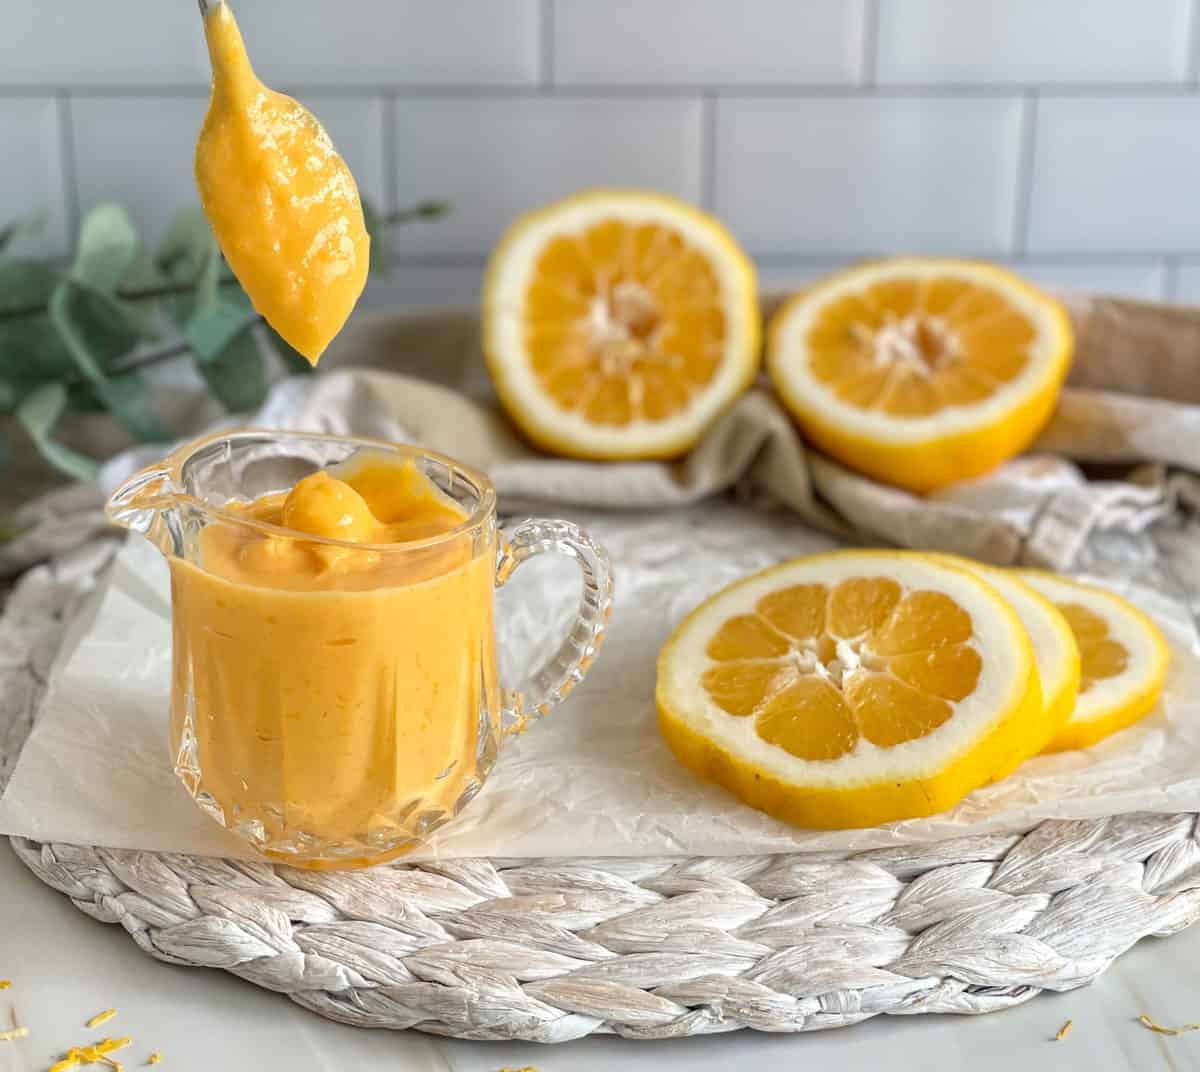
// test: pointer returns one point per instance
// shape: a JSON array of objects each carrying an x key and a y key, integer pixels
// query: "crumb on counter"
[{"x": 14, "y": 1033}]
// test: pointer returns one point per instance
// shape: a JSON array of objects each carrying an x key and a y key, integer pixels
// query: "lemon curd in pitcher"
[{"x": 327, "y": 688}]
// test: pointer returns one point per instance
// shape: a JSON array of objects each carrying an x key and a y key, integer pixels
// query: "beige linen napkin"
[{"x": 1133, "y": 402}]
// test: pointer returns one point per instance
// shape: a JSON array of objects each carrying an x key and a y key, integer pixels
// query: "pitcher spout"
[{"x": 141, "y": 502}]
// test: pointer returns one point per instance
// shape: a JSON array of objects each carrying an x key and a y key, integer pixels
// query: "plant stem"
[
  {"x": 423, "y": 210},
  {"x": 154, "y": 357},
  {"x": 161, "y": 290}
]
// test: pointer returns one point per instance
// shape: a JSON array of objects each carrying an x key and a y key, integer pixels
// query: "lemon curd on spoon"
[{"x": 283, "y": 205}]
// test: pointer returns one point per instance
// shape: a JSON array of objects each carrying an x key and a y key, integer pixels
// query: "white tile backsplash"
[
  {"x": 1144, "y": 280},
  {"x": 393, "y": 42},
  {"x": 138, "y": 151},
  {"x": 1033, "y": 41},
  {"x": 1186, "y": 290},
  {"x": 784, "y": 278},
  {"x": 31, "y": 180},
  {"x": 116, "y": 42},
  {"x": 696, "y": 42},
  {"x": 1113, "y": 173},
  {"x": 495, "y": 158},
  {"x": 431, "y": 286},
  {"x": 1058, "y": 134},
  {"x": 863, "y": 174}
]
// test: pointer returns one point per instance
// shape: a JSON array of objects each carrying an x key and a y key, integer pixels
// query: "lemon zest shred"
[
  {"x": 154, "y": 1058},
  {"x": 14, "y": 1033},
  {"x": 1064, "y": 1031},
  {"x": 1159, "y": 1029},
  {"x": 101, "y": 1018},
  {"x": 5, "y": 984},
  {"x": 90, "y": 1055}
]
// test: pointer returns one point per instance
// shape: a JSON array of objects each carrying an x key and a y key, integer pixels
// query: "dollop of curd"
[{"x": 283, "y": 205}]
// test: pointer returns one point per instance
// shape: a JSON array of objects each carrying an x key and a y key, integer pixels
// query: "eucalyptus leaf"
[
  {"x": 187, "y": 244},
  {"x": 38, "y": 414},
  {"x": 31, "y": 351},
  {"x": 381, "y": 251},
  {"x": 22, "y": 228},
  {"x": 213, "y": 327},
  {"x": 107, "y": 249},
  {"x": 94, "y": 343},
  {"x": 188, "y": 251},
  {"x": 144, "y": 276},
  {"x": 110, "y": 330},
  {"x": 237, "y": 374},
  {"x": 25, "y": 283},
  {"x": 294, "y": 362}
]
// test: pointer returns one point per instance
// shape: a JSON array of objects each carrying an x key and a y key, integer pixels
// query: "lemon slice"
[
  {"x": 1055, "y": 653},
  {"x": 1123, "y": 659},
  {"x": 920, "y": 371},
  {"x": 619, "y": 324},
  {"x": 850, "y": 688}
]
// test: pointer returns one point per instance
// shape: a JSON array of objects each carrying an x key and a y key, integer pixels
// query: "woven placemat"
[{"x": 550, "y": 950}]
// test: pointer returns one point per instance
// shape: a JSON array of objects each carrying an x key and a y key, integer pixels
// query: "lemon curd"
[
  {"x": 330, "y": 685},
  {"x": 282, "y": 203}
]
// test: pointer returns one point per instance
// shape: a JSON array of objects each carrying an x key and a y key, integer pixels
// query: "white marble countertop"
[{"x": 66, "y": 967}]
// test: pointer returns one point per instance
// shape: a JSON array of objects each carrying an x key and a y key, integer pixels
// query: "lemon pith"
[{"x": 618, "y": 324}]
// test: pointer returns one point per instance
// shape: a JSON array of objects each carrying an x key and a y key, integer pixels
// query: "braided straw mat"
[{"x": 550, "y": 950}]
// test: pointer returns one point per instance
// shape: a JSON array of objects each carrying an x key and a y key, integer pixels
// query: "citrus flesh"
[
  {"x": 619, "y": 324},
  {"x": 851, "y": 688},
  {"x": 920, "y": 371},
  {"x": 1123, "y": 659}
]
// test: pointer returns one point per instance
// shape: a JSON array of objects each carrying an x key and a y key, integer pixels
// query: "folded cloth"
[{"x": 1132, "y": 407}]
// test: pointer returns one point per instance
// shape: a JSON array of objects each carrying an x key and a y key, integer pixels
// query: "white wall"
[{"x": 1060, "y": 135}]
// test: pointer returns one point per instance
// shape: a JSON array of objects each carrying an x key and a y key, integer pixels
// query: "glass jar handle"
[{"x": 550, "y": 683}]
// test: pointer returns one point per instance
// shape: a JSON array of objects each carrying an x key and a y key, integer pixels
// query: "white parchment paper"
[{"x": 591, "y": 779}]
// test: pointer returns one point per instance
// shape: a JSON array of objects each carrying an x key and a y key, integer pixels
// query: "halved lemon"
[
  {"x": 850, "y": 688},
  {"x": 1123, "y": 659},
  {"x": 619, "y": 324},
  {"x": 920, "y": 371},
  {"x": 1055, "y": 652}
]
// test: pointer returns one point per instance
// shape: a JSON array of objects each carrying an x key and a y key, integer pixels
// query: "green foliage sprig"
[{"x": 77, "y": 338}]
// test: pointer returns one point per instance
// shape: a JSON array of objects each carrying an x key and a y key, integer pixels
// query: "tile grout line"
[
  {"x": 1191, "y": 61},
  {"x": 1171, "y": 279},
  {"x": 632, "y": 90},
  {"x": 546, "y": 44},
  {"x": 69, "y": 172},
  {"x": 390, "y": 151},
  {"x": 868, "y": 74},
  {"x": 708, "y": 151},
  {"x": 1080, "y": 259},
  {"x": 1019, "y": 238}
]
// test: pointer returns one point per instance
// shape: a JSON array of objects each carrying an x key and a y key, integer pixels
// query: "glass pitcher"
[{"x": 341, "y": 727}]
